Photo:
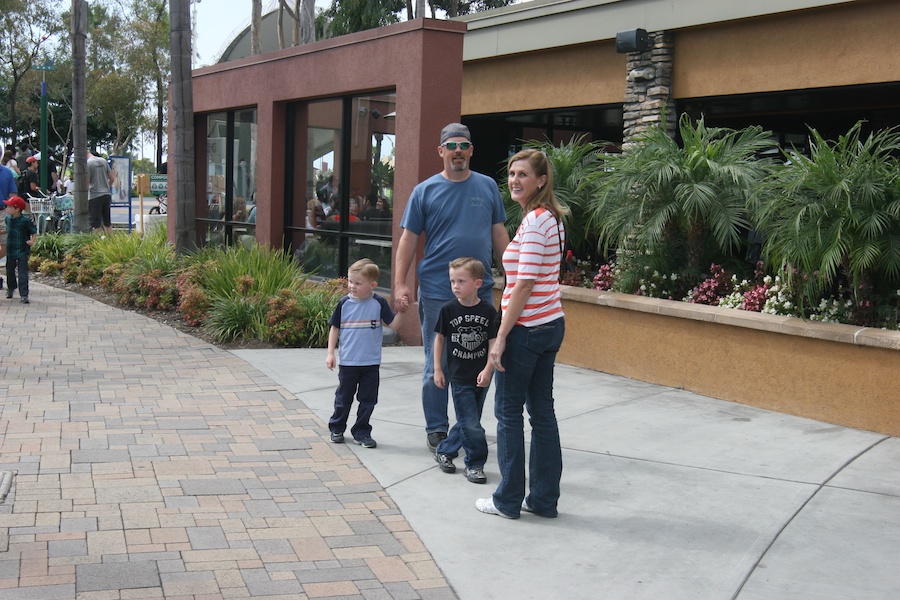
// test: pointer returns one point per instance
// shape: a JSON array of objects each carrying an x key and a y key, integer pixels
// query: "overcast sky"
[{"x": 218, "y": 21}]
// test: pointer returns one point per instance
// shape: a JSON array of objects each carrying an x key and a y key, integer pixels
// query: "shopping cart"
[{"x": 41, "y": 211}]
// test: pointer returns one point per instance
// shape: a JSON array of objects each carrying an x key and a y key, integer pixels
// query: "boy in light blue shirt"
[{"x": 357, "y": 323}]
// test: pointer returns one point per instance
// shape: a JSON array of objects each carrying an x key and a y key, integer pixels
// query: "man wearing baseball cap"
[
  {"x": 461, "y": 214},
  {"x": 21, "y": 234}
]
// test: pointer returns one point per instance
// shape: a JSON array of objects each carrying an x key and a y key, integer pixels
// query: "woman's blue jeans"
[{"x": 527, "y": 382}]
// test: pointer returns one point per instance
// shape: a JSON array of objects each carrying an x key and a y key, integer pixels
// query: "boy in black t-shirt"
[{"x": 465, "y": 331}]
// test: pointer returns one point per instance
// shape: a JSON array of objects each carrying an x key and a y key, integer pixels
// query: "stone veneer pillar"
[{"x": 648, "y": 91}]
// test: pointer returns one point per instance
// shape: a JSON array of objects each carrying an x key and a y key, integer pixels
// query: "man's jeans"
[
  {"x": 528, "y": 382},
  {"x": 434, "y": 399},
  {"x": 467, "y": 432}
]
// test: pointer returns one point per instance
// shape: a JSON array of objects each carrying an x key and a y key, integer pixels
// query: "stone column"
[{"x": 648, "y": 91}]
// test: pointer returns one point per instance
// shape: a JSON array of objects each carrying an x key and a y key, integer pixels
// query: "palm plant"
[
  {"x": 575, "y": 165},
  {"x": 836, "y": 214},
  {"x": 680, "y": 208}
]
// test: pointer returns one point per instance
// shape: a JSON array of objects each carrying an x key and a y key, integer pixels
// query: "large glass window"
[
  {"x": 229, "y": 214},
  {"x": 341, "y": 207}
]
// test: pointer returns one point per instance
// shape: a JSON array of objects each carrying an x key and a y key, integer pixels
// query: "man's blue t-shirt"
[
  {"x": 7, "y": 184},
  {"x": 360, "y": 322},
  {"x": 456, "y": 218}
]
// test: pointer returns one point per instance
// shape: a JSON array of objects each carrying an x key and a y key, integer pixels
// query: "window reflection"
[
  {"x": 231, "y": 158},
  {"x": 345, "y": 211}
]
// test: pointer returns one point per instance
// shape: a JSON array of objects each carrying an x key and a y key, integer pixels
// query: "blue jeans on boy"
[
  {"x": 527, "y": 382},
  {"x": 434, "y": 399},
  {"x": 467, "y": 433},
  {"x": 20, "y": 266},
  {"x": 361, "y": 382}
]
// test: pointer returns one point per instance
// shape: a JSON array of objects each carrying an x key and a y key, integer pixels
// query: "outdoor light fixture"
[{"x": 635, "y": 40}]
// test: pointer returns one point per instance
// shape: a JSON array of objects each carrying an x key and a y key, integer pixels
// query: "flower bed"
[{"x": 842, "y": 374}]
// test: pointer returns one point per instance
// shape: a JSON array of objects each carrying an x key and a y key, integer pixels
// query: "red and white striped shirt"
[{"x": 535, "y": 253}]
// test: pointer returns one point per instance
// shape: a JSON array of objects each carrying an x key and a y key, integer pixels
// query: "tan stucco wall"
[
  {"x": 843, "y": 45},
  {"x": 831, "y": 46},
  {"x": 574, "y": 76},
  {"x": 777, "y": 363}
]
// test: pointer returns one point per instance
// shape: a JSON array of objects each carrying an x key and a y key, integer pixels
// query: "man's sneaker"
[
  {"x": 476, "y": 475},
  {"x": 525, "y": 506},
  {"x": 486, "y": 505},
  {"x": 337, "y": 438},
  {"x": 366, "y": 442},
  {"x": 1, "y": 283},
  {"x": 435, "y": 438},
  {"x": 9, "y": 293},
  {"x": 445, "y": 462},
  {"x": 24, "y": 300}
]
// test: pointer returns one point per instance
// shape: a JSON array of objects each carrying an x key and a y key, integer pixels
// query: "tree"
[
  {"x": 27, "y": 25},
  {"x": 79, "y": 19},
  {"x": 255, "y": 27},
  {"x": 677, "y": 209},
  {"x": 150, "y": 57},
  {"x": 350, "y": 16},
  {"x": 183, "y": 112},
  {"x": 835, "y": 215}
]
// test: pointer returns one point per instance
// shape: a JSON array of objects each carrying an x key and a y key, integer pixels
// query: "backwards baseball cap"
[
  {"x": 15, "y": 202},
  {"x": 455, "y": 130}
]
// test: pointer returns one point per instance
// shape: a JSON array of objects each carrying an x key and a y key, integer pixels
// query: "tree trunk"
[
  {"x": 307, "y": 21},
  {"x": 280, "y": 26},
  {"x": 183, "y": 126},
  {"x": 79, "y": 114},
  {"x": 255, "y": 26}
]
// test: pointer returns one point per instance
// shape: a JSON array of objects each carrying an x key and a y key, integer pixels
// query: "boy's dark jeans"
[
  {"x": 361, "y": 382},
  {"x": 467, "y": 432},
  {"x": 20, "y": 265}
]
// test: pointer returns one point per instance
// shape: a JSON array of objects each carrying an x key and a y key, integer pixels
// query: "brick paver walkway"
[{"x": 148, "y": 464}]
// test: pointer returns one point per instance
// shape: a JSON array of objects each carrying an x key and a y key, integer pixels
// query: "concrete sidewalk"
[
  {"x": 149, "y": 464},
  {"x": 665, "y": 494}
]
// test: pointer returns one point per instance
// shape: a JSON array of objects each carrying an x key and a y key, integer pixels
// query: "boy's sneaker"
[
  {"x": 24, "y": 300},
  {"x": 476, "y": 475},
  {"x": 445, "y": 462},
  {"x": 366, "y": 442},
  {"x": 435, "y": 438},
  {"x": 9, "y": 293},
  {"x": 337, "y": 438}
]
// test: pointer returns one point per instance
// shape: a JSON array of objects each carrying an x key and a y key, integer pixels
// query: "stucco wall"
[
  {"x": 846, "y": 44},
  {"x": 839, "y": 374},
  {"x": 574, "y": 76},
  {"x": 834, "y": 46}
]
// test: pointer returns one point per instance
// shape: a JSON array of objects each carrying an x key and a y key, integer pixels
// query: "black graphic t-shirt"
[{"x": 467, "y": 330}]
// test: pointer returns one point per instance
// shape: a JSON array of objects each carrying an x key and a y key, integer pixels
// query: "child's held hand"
[{"x": 439, "y": 379}]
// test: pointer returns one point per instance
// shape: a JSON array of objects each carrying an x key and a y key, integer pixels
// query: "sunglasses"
[{"x": 455, "y": 145}]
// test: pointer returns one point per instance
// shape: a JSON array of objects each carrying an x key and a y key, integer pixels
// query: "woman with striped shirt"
[{"x": 531, "y": 331}]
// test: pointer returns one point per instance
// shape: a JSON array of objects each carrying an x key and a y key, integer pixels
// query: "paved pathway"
[{"x": 149, "y": 464}]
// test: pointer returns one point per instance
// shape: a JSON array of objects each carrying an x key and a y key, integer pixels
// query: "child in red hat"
[{"x": 20, "y": 235}]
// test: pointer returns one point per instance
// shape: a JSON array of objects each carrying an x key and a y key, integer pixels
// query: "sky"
[{"x": 218, "y": 21}]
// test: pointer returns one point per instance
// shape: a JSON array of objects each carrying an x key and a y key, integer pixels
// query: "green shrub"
[{"x": 231, "y": 319}]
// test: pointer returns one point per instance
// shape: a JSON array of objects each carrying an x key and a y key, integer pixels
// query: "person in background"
[
  {"x": 21, "y": 234},
  {"x": 10, "y": 163},
  {"x": 531, "y": 332},
  {"x": 99, "y": 194},
  {"x": 7, "y": 191},
  {"x": 461, "y": 214}
]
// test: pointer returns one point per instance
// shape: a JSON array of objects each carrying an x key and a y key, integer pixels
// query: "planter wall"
[{"x": 839, "y": 374}]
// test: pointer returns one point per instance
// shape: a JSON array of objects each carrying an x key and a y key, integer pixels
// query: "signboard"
[
  {"x": 159, "y": 184},
  {"x": 120, "y": 188}
]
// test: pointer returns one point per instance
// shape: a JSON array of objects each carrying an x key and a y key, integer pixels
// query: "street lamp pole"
[{"x": 45, "y": 159}]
